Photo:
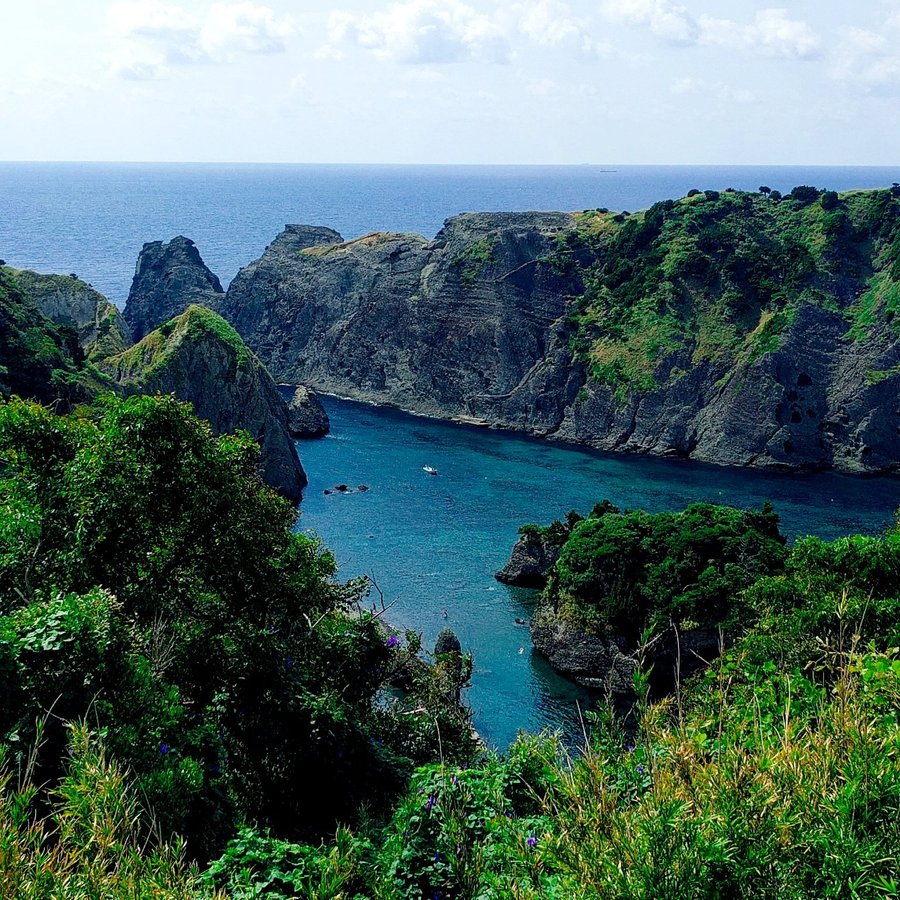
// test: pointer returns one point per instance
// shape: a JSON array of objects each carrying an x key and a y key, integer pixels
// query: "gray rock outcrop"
[
  {"x": 306, "y": 415},
  {"x": 69, "y": 301},
  {"x": 480, "y": 325},
  {"x": 594, "y": 660},
  {"x": 530, "y": 561},
  {"x": 446, "y": 327},
  {"x": 199, "y": 358},
  {"x": 608, "y": 661},
  {"x": 168, "y": 278}
]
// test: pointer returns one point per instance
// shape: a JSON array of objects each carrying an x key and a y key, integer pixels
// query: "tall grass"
[{"x": 86, "y": 838}]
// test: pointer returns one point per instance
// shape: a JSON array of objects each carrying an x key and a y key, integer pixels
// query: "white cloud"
[
  {"x": 669, "y": 21},
  {"x": 548, "y": 22},
  {"x": 542, "y": 87},
  {"x": 870, "y": 60},
  {"x": 421, "y": 32},
  {"x": 772, "y": 34},
  {"x": 149, "y": 35},
  {"x": 715, "y": 89}
]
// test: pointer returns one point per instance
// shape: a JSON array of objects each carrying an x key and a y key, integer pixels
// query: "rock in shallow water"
[{"x": 306, "y": 415}]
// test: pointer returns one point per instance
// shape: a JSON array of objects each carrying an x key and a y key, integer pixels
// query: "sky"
[{"x": 812, "y": 82}]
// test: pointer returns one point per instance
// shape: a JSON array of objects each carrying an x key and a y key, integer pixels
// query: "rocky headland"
[
  {"x": 168, "y": 278},
  {"x": 657, "y": 592},
  {"x": 730, "y": 328},
  {"x": 199, "y": 358},
  {"x": 63, "y": 343},
  {"x": 69, "y": 302}
]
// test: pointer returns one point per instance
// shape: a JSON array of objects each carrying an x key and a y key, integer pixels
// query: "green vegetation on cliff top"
[
  {"x": 719, "y": 276},
  {"x": 150, "y": 355},
  {"x": 111, "y": 330},
  {"x": 39, "y": 359},
  {"x": 627, "y": 572}
]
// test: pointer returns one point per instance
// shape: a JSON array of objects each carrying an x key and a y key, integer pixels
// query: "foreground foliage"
[
  {"x": 177, "y": 662},
  {"x": 150, "y": 583},
  {"x": 87, "y": 839},
  {"x": 776, "y": 773}
]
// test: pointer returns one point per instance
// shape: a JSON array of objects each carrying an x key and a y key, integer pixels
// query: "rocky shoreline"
[{"x": 478, "y": 326}]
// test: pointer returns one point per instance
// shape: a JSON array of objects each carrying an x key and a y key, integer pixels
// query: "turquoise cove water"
[{"x": 433, "y": 543}]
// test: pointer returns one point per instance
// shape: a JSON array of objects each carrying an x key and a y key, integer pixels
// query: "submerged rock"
[
  {"x": 199, "y": 358},
  {"x": 306, "y": 415}
]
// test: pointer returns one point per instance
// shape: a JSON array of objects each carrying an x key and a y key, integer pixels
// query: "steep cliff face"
[
  {"x": 68, "y": 301},
  {"x": 449, "y": 327},
  {"x": 42, "y": 359},
  {"x": 168, "y": 278},
  {"x": 199, "y": 358},
  {"x": 728, "y": 328}
]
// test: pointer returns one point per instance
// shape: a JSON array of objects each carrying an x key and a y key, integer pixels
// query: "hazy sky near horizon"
[{"x": 453, "y": 81}]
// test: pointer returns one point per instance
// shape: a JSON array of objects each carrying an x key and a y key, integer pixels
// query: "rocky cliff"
[
  {"x": 70, "y": 302},
  {"x": 448, "y": 327},
  {"x": 168, "y": 278},
  {"x": 530, "y": 561},
  {"x": 200, "y": 359},
  {"x": 306, "y": 415},
  {"x": 732, "y": 328}
]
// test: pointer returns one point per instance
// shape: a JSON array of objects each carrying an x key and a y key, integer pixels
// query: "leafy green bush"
[
  {"x": 152, "y": 582},
  {"x": 627, "y": 571}
]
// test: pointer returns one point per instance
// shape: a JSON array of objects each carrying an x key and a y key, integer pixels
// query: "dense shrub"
[
  {"x": 151, "y": 582},
  {"x": 633, "y": 570}
]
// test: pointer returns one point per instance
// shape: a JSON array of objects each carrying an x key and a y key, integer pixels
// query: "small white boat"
[{"x": 430, "y": 470}]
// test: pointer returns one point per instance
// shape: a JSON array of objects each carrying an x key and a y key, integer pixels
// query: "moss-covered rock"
[
  {"x": 70, "y": 302},
  {"x": 200, "y": 358}
]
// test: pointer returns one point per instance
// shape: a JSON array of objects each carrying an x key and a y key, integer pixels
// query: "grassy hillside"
[
  {"x": 720, "y": 275},
  {"x": 149, "y": 357},
  {"x": 38, "y": 359}
]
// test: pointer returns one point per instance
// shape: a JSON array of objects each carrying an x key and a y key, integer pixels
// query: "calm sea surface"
[
  {"x": 93, "y": 218},
  {"x": 432, "y": 543}
]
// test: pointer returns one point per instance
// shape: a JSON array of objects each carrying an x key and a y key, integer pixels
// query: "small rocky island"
[{"x": 635, "y": 590}]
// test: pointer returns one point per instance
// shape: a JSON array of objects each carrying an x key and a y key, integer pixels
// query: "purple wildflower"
[
  {"x": 640, "y": 770},
  {"x": 532, "y": 840},
  {"x": 437, "y": 857},
  {"x": 163, "y": 748},
  {"x": 455, "y": 781},
  {"x": 392, "y": 641},
  {"x": 630, "y": 748},
  {"x": 432, "y": 799}
]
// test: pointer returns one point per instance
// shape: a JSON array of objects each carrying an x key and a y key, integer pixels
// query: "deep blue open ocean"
[
  {"x": 92, "y": 218},
  {"x": 432, "y": 544}
]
